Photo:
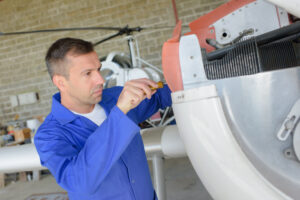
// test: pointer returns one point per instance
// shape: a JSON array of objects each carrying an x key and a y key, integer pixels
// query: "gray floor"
[
  {"x": 21, "y": 190},
  {"x": 181, "y": 183}
]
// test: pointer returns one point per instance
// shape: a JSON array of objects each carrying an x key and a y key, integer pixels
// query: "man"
[{"x": 94, "y": 150}]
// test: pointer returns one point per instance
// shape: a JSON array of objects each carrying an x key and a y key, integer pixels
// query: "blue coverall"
[{"x": 99, "y": 162}]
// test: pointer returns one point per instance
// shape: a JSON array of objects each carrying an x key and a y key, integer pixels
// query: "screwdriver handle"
[{"x": 160, "y": 85}]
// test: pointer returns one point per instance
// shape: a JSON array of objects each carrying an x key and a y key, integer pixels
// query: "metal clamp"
[{"x": 290, "y": 122}]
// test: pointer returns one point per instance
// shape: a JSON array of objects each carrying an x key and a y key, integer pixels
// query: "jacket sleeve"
[
  {"x": 84, "y": 169},
  {"x": 161, "y": 99}
]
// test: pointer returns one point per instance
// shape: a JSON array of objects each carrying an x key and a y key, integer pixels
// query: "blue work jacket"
[{"x": 103, "y": 162}]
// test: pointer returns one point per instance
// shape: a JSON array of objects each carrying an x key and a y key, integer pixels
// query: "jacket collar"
[
  {"x": 61, "y": 113},
  {"x": 64, "y": 115}
]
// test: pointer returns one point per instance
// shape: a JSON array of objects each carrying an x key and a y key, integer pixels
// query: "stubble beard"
[{"x": 98, "y": 98}]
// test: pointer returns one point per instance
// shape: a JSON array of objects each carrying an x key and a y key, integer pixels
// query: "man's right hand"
[{"x": 134, "y": 92}]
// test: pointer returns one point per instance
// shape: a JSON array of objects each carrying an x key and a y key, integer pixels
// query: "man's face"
[{"x": 84, "y": 85}]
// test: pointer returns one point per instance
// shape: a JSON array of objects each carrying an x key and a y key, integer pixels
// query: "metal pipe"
[
  {"x": 160, "y": 143},
  {"x": 171, "y": 143},
  {"x": 158, "y": 176},
  {"x": 132, "y": 51},
  {"x": 164, "y": 141},
  {"x": 152, "y": 140}
]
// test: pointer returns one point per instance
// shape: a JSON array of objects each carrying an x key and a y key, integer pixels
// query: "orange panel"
[{"x": 170, "y": 60}]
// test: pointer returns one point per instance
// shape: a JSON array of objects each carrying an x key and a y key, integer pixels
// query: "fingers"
[
  {"x": 143, "y": 85},
  {"x": 148, "y": 82},
  {"x": 134, "y": 92}
]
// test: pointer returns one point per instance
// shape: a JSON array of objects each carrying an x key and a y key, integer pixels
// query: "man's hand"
[{"x": 134, "y": 92}]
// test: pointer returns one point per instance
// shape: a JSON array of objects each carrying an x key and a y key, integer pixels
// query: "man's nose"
[{"x": 98, "y": 78}]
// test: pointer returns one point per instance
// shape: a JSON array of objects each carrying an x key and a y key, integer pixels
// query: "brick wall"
[{"x": 22, "y": 67}]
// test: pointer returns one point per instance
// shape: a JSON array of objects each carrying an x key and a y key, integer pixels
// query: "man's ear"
[{"x": 60, "y": 82}]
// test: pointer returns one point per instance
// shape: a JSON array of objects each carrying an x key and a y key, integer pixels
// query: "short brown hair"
[{"x": 58, "y": 51}]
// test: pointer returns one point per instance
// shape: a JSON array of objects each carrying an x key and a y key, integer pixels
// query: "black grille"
[
  {"x": 278, "y": 56},
  {"x": 239, "y": 61}
]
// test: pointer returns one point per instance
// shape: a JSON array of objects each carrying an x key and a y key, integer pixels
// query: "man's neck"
[{"x": 75, "y": 106}]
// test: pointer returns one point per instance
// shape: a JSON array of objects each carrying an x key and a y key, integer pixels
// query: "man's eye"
[
  {"x": 88, "y": 73},
  {"x": 99, "y": 69}
]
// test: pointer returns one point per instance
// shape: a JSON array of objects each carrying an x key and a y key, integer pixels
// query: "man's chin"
[{"x": 97, "y": 99}]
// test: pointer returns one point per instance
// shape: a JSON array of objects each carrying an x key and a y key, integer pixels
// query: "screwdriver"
[{"x": 160, "y": 84}]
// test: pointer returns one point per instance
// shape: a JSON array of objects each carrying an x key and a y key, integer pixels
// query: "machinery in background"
[
  {"x": 117, "y": 67},
  {"x": 235, "y": 80}
]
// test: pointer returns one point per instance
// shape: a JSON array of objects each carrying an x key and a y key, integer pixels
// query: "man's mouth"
[{"x": 97, "y": 90}]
